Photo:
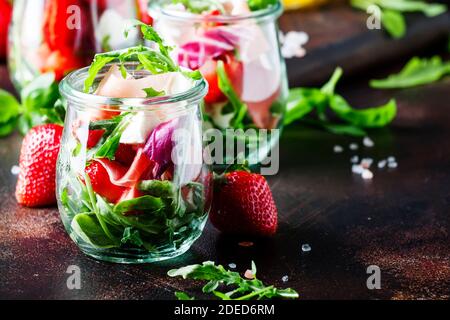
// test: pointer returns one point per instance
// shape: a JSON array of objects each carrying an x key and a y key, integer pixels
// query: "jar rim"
[
  {"x": 69, "y": 91},
  {"x": 271, "y": 12}
]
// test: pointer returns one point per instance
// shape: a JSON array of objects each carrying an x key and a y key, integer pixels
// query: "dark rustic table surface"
[{"x": 398, "y": 221}]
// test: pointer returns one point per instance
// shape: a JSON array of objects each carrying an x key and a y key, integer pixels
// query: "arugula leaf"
[
  {"x": 416, "y": 72},
  {"x": 366, "y": 118},
  {"x": 10, "y": 109},
  {"x": 183, "y": 296},
  {"x": 153, "y": 93},
  {"x": 260, "y": 4},
  {"x": 157, "y": 188},
  {"x": 240, "y": 108},
  {"x": 394, "y": 23},
  {"x": 200, "y": 6},
  {"x": 244, "y": 289},
  {"x": 392, "y": 18},
  {"x": 100, "y": 60},
  {"x": 109, "y": 147}
]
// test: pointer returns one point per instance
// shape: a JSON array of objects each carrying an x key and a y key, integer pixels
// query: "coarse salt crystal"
[
  {"x": 367, "y": 174},
  {"x": 367, "y": 142},
  {"x": 15, "y": 170},
  {"x": 285, "y": 279},
  {"x": 353, "y": 146},
  {"x": 358, "y": 169},
  {"x": 391, "y": 159},
  {"x": 249, "y": 274},
  {"x": 366, "y": 162},
  {"x": 382, "y": 164},
  {"x": 232, "y": 265},
  {"x": 338, "y": 149},
  {"x": 354, "y": 159},
  {"x": 392, "y": 165},
  {"x": 306, "y": 247}
]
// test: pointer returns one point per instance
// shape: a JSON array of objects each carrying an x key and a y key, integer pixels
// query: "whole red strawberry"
[
  {"x": 243, "y": 204},
  {"x": 36, "y": 184}
]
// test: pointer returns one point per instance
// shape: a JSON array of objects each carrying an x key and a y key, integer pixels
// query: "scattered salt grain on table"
[
  {"x": 382, "y": 164},
  {"x": 353, "y": 146},
  {"x": 306, "y": 247},
  {"x": 367, "y": 142},
  {"x": 392, "y": 165},
  {"x": 285, "y": 279},
  {"x": 367, "y": 174},
  {"x": 391, "y": 159},
  {"x": 232, "y": 265},
  {"x": 292, "y": 44},
  {"x": 358, "y": 169},
  {"x": 366, "y": 162},
  {"x": 354, "y": 159},
  {"x": 249, "y": 274},
  {"x": 15, "y": 170},
  {"x": 337, "y": 149}
]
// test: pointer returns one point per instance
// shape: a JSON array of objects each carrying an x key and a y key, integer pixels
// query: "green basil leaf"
[
  {"x": 416, "y": 72},
  {"x": 9, "y": 107},
  {"x": 157, "y": 188},
  {"x": 88, "y": 228},
  {"x": 394, "y": 23},
  {"x": 365, "y": 118},
  {"x": 42, "y": 92},
  {"x": 302, "y": 101},
  {"x": 146, "y": 203},
  {"x": 7, "y": 127}
]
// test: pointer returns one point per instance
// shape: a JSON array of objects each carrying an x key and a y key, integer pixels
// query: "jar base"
[{"x": 124, "y": 257}]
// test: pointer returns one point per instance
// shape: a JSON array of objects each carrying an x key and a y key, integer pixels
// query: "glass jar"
[
  {"x": 240, "y": 57},
  {"x": 132, "y": 203},
  {"x": 63, "y": 35}
]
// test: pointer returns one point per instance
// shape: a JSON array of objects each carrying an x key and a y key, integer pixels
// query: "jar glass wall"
[
  {"x": 240, "y": 58},
  {"x": 140, "y": 202},
  {"x": 63, "y": 35}
]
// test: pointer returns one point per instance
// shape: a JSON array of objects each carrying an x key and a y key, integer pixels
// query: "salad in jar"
[
  {"x": 235, "y": 46},
  {"x": 131, "y": 183}
]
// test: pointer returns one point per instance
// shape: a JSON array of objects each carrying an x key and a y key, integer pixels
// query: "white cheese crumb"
[{"x": 353, "y": 146}]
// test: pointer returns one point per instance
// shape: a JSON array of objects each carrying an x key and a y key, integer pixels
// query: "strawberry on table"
[
  {"x": 243, "y": 204},
  {"x": 5, "y": 18},
  {"x": 36, "y": 184}
]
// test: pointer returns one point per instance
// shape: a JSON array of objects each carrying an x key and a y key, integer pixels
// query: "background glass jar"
[
  {"x": 63, "y": 35},
  {"x": 240, "y": 58},
  {"x": 132, "y": 203}
]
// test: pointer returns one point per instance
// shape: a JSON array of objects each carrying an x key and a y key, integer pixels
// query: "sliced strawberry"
[
  {"x": 36, "y": 184},
  {"x": 101, "y": 178},
  {"x": 94, "y": 137},
  {"x": 233, "y": 68},
  {"x": 60, "y": 62},
  {"x": 125, "y": 154}
]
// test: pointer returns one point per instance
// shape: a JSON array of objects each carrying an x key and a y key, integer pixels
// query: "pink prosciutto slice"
[{"x": 260, "y": 111}]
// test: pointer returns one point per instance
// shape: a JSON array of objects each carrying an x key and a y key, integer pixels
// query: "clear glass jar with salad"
[
  {"x": 132, "y": 186},
  {"x": 235, "y": 45},
  {"x": 63, "y": 35}
]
